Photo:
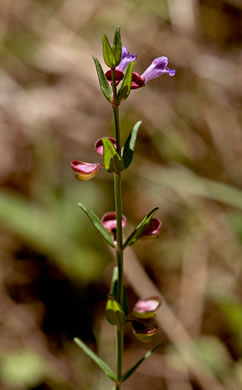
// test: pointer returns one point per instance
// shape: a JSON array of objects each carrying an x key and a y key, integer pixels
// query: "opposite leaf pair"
[
  {"x": 148, "y": 227},
  {"x": 141, "y": 317}
]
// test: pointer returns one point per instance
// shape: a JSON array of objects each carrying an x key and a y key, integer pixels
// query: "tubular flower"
[
  {"x": 125, "y": 59},
  {"x": 152, "y": 229},
  {"x": 85, "y": 171},
  {"x": 157, "y": 68},
  {"x": 99, "y": 144}
]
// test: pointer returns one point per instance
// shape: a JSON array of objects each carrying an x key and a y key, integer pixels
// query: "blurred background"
[{"x": 55, "y": 269}]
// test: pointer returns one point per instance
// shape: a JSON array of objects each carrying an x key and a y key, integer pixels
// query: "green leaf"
[
  {"x": 106, "y": 369},
  {"x": 139, "y": 362},
  {"x": 126, "y": 83},
  {"x": 114, "y": 312},
  {"x": 112, "y": 160},
  {"x": 108, "y": 54},
  {"x": 98, "y": 224},
  {"x": 103, "y": 82},
  {"x": 139, "y": 229},
  {"x": 117, "y": 46},
  {"x": 129, "y": 145}
]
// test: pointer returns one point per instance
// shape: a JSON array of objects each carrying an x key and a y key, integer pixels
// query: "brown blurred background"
[{"x": 54, "y": 267}]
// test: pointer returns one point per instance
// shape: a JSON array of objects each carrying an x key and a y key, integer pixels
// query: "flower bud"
[
  {"x": 99, "y": 144},
  {"x": 146, "y": 307},
  {"x": 85, "y": 171}
]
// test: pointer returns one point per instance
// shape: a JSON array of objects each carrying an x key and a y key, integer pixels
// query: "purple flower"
[
  {"x": 125, "y": 59},
  {"x": 156, "y": 69}
]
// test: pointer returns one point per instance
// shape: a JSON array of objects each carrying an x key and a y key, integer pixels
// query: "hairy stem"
[{"x": 119, "y": 236}]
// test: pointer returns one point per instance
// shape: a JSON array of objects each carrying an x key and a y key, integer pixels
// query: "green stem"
[
  {"x": 119, "y": 236},
  {"x": 117, "y": 127}
]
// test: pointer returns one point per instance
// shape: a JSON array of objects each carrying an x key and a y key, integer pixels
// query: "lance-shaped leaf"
[
  {"x": 128, "y": 149},
  {"x": 114, "y": 290},
  {"x": 117, "y": 46},
  {"x": 139, "y": 228},
  {"x": 103, "y": 82},
  {"x": 111, "y": 158},
  {"x": 98, "y": 224},
  {"x": 108, "y": 54},
  {"x": 114, "y": 312},
  {"x": 126, "y": 83},
  {"x": 139, "y": 362},
  {"x": 106, "y": 369}
]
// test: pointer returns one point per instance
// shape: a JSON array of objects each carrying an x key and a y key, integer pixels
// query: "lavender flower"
[
  {"x": 156, "y": 69},
  {"x": 125, "y": 59}
]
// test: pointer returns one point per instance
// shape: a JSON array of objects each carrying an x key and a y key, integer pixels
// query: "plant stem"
[
  {"x": 117, "y": 127},
  {"x": 119, "y": 236}
]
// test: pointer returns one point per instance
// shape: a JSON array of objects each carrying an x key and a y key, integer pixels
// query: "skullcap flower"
[
  {"x": 125, "y": 59},
  {"x": 157, "y": 68}
]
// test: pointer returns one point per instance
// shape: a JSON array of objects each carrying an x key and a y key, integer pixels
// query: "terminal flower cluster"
[{"x": 158, "y": 67}]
